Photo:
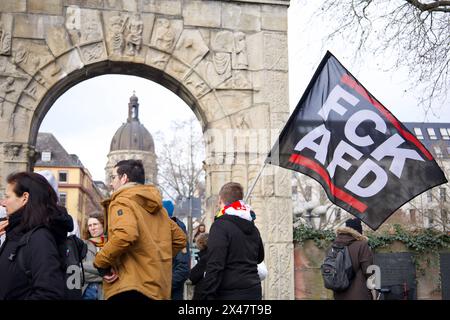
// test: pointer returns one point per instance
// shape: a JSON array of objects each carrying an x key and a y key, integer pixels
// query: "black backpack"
[
  {"x": 337, "y": 270},
  {"x": 71, "y": 252}
]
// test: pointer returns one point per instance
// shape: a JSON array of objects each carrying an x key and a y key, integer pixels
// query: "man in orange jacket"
[{"x": 136, "y": 261}]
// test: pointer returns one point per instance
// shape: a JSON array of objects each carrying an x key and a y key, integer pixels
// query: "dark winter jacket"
[
  {"x": 362, "y": 257},
  {"x": 41, "y": 257},
  {"x": 180, "y": 267},
  {"x": 234, "y": 250},
  {"x": 198, "y": 273}
]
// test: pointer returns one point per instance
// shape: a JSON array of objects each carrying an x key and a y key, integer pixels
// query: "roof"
[{"x": 46, "y": 142}]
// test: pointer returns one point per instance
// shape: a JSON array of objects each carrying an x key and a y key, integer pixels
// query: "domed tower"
[{"x": 133, "y": 141}]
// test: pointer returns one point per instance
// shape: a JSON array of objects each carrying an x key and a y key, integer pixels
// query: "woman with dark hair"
[
  {"x": 94, "y": 235},
  {"x": 32, "y": 269},
  {"x": 200, "y": 230}
]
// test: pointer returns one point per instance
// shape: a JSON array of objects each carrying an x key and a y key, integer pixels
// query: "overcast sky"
[{"x": 85, "y": 118}]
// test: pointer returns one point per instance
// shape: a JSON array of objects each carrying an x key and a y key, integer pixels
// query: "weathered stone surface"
[
  {"x": 6, "y": 24},
  {"x": 13, "y": 6},
  {"x": 166, "y": 33},
  {"x": 234, "y": 101},
  {"x": 34, "y": 26},
  {"x": 169, "y": 7},
  {"x": 30, "y": 56},
  {"x": 130, "y": 5},
  {"x": 157, "y": 58},
  {"x": 279, "y": 283},
  {"x": 190, "y": 48},
  {"x": 45, "y": 6},
  {"x": 241, "y": 17},
  {"x": 177, "y": 69},
  {"x": 58, "y": 40},
  {"x": 202, "y": 13},
  {"x": 272, "y": 56},
  {"x": 32, "y": 94},
  {"x": 196, "y": 85},
  {"x": 274, "y": 18},
  {"x": 212, "y": 107},
  {"x": 92, "y": 53},
  {"x": 273, "y": 90},
  {"x": 95, "y": 4}
]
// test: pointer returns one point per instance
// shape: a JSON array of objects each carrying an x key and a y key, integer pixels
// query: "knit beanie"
[{"x": 354, "y": 224}]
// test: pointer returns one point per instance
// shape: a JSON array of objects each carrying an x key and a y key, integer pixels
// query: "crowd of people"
[{"x": 134, "y": 250}]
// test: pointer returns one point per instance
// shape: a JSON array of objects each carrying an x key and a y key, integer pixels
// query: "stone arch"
[{"x": 226, "y": 59}]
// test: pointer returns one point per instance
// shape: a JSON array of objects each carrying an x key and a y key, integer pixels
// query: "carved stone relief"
[
  {"x": 83, "y": 25},
  {"x": 12, "y": 151},
  {"x": 93, "y": 53},
  {"x": 124, "y": 33},
  {"x": 196, "y": 85},
  {"x": 240, "y": 59},
  {"x": 157, "y": 59},
  {"x": 177, "y": 69},
  {"x": 191, "y": 47},
  {"x": 6, "y": 23},
  {"x": 30, "y": 56},
  {"x": 165, "y": 34}
]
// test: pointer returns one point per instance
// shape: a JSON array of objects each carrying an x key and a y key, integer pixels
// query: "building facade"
[{"x": 76, "y": 189}]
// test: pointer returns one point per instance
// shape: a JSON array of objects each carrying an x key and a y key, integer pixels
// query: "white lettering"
[
  {"x": 332, "y": 102},
  {"x": 355, "y": 120},
  {"x": 321, "y": 149},
  {"x": 338, "y": 160},
  {"x": 362, "y": 172},
  {"x": 390, "y": 148}
]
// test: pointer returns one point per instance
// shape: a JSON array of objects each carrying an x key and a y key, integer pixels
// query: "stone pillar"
[{"x": 15, "y": 157}]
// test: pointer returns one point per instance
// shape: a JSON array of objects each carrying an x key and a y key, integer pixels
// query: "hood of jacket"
[
  {"x": 147, "y": 196},
  {"x": 61, "y": 223},
  {"x": 347, "y": 235},
  {"x": 246, "y": 226}
]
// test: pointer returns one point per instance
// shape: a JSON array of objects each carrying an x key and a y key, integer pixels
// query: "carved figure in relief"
[
  {"x": 240, "y": 60},
  {"x": 134, "y": 37},
  {"x": 93, "y": 53},
  {"x": 117, "y": 27},
  {"x": 5, "y": 39},
  {"x": 6, "y": 87},
  {"x": 164, "y": 35}
]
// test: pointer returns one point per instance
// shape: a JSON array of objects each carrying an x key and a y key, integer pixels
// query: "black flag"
[{"x": 367, "y": 161}]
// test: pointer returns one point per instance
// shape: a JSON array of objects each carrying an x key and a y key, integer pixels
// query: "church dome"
[{"x": 132, "y": 135}]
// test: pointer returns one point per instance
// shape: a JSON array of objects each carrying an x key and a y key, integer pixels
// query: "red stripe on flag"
[
  {"x": 338, "y": 193},
  {"x": 346, "y": 79}
]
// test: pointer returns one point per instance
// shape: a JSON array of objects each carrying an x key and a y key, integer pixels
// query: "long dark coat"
[{"x": 362, "y": 257}]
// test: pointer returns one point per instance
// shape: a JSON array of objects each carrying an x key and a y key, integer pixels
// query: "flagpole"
[{"x": 249, "y": 191}]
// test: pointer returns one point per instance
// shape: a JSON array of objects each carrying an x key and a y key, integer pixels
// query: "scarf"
[
  {"x": 99, "y": 242},
  {"x": 239, "y": 209}
]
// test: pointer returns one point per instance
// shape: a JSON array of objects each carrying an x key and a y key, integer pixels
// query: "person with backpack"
[
  {"x": 344, "y": 268},
  {"x": 31, "y": 266},
  {"x": 95, "y": 240}
]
